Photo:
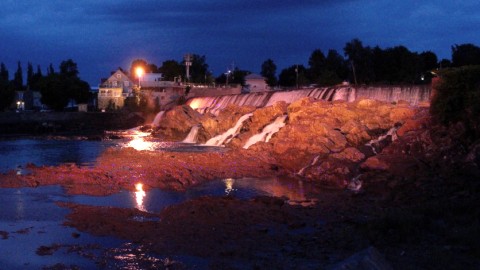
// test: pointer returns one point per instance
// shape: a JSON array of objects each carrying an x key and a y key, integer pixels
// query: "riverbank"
[
  {"x": 413, "y": 196},
  {"x": 65, "y": 123}
]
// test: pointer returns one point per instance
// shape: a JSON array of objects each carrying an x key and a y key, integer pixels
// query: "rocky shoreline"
[{"x": 413, "y": 195}]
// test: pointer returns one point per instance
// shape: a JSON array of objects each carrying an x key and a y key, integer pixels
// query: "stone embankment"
[
  {"x": 65, "y": 123},
  {"x": 325, "y": 141}
]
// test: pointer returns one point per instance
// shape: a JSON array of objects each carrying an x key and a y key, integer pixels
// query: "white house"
[
  {"x": 256, "y": 83},
  {"x": 113, "y": 91}
]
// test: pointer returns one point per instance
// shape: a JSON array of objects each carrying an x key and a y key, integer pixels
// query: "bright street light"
[{"x": 139, "y": 71}]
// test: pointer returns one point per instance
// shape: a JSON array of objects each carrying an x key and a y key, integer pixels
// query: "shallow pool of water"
[
  {"x": 15, "y": 154},
  {"x": 29, "y": 218}
]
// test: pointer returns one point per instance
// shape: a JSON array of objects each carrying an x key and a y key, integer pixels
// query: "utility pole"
[
  {"x": 354, "y": 75},
  {"x": 188, "y": 63},
  {"x": 296, "y": 75}
]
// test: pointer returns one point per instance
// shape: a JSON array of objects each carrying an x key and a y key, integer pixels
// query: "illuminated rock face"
[{"x": 334, "y": 133}]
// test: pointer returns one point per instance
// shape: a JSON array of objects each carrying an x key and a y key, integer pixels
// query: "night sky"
[{"x": 103, "y": 35}]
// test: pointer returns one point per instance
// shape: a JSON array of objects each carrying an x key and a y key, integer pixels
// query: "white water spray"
[
  {"x": 267, "y": 132},
  {"x": 391, "y": 132},
  {"x": 229, "y": 134},
  {"x": 315, "y": 160},
  {"x": 157, "y": 118},
  {"x": 192, "y": 135}
]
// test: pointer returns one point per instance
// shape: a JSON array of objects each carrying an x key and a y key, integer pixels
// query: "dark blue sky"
[{"x": 103, "y": 35}]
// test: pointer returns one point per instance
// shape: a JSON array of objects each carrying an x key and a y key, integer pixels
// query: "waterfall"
[
  {"x": 157, "y": 118},
  {"x": 229, "y": 134},
  {"x": 412, "y": 94},
  {"x": 302, "y": 170},
  {"x": 192, "y": 135},
  {"x": 378, "y": 141},
  {"x": 267, "y": 132}
]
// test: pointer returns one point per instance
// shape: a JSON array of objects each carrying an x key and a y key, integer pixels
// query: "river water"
[{"x": 29, "y": 217}]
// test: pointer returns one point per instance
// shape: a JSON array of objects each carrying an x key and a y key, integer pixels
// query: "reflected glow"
[
  {"x": 139, "y": 196},
  {"x": 139, "y": 143},
  {"x": 229, "y": 185},
  {"x": 195, "y": 104}
]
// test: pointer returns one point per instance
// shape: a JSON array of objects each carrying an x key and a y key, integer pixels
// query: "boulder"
[
  {"x": 351, "y": 154},
  {"x": 374, "y": 163},
  {"x": 355, "y": 132},
  {"x": 401, "y": 114},
  {"x": 177, "y": 123}
]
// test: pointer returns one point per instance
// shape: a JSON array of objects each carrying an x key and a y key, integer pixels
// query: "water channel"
[{"x": 30, "y": 217}]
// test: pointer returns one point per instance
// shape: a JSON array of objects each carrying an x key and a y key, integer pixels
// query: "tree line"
[
  {"x": 359, "y": 64},
  {"x": 57, "y": 88}
]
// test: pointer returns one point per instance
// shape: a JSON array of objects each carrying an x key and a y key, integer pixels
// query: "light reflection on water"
[
  {"x": 16, "y": 154},
  {"x": 139, "y": 196},
  {"x": 35, "y": 209},
  {"x": 154, "y": 200}
]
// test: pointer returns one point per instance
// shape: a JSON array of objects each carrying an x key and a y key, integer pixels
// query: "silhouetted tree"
[
  {"x": 457, "y": 100},
  {"x": 29, "y": 74},
  {"x": 153, "y": 68},
  {"x": 360, "y": 61},
  {"x": 53, "y": 92},
  {"x": 37, "y": 77},
  {"x": 428, "y": 62},
  {"x": 316, "y": 64},
  {"x": 292, "y": 76},
  {"x": 50, "y": 70},
  {"x": 444, "y": 63},
  {"x": 7, "y": 93},
  {"x": 18, "y": 78},
  {"x": 198, "y": 69},
  {"x": 269, "y": 70},
  {"x": 68, "y": 68},
  {"x": 335, "y": 70},
  {"x": 238, "y": 76},
  {"x": 465, "y": 54},
  {"x": 171, "y": 69},
  {"x": 3, "y": 73},
  {"x": 58, "y": 88}
]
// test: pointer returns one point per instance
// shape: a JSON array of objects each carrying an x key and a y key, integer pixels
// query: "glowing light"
[
  {"x": 139, "y": 196},
  {"x": 139, "y": 71},
  {"x": 195, "y": 104},
  {"x": 229, "y": 185},
  {"x": 139, "y": 143}
]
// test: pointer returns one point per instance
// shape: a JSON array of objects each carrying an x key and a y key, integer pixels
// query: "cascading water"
[
  {"x": 267, "y": 132},
  {"x": 229, "y": 134},
  {"x": 192, "y": 135},
  {"x": 412, "y": 94},
  {"x": 376, "y": 143},
  {"x": 157, "y": 118},
  {"x": 302, "y": 170}
]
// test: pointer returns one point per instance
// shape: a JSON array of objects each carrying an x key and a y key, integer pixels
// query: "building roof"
[{"x": 254, "y": 76}]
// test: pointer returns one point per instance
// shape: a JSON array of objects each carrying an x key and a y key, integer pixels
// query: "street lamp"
[
  {"x": 139, "y": 71},
  {"x": 227, "y": 74}
]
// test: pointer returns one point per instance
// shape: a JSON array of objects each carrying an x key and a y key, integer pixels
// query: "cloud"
[{"x": 102, "y": 35}]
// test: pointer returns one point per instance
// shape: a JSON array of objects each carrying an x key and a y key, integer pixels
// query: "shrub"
[{"x": 458, "y": 98}]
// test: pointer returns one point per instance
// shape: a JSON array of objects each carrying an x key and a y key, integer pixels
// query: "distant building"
[
  {"x": 159, "y": 93},
  {"x": 28, "y": 100},
  {"x": 113, "y": 91},
  {"x": 256, "y": 83}
]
